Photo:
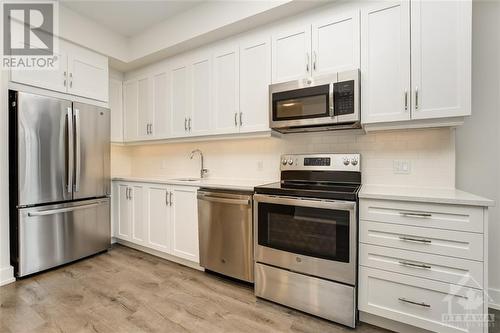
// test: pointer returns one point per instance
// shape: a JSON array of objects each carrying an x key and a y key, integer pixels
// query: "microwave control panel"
[{"x": 343, "y": 97}]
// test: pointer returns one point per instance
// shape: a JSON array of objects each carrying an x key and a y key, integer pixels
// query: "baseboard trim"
[
  {"x": 389, "y": 324},
  {"x": 160, "y": 254},
  {"x": 494, "y": 295},
  {"x": 7, "y": 275}
]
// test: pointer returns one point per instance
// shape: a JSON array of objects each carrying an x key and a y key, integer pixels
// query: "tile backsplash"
[{"x": 428, "y": 153}]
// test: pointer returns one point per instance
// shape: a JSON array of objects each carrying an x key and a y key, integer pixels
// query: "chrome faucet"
[{"x": 203, "y": 171}]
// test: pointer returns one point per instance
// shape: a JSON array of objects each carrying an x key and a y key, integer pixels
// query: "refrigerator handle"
[
  {"x": 69, "y": 145},
  {"x": 77, "y": 149}
]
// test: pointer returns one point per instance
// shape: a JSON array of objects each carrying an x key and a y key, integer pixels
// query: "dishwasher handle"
[{"x": 237, "y": 200}]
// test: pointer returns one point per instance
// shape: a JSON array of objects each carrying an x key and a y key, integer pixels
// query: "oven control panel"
[{"x": 321, "y": 162}]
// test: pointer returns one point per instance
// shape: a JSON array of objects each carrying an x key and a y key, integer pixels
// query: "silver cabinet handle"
[
  {"x": 411, "y": 214},
  {"x": 425, "y": 305},
  {"x": 127, "y": 195},
  {"x": 147, "y": 129},
  {"x": 236, "y": 119},
  {"x": 406, "y": 100},
  {"x": 71, "y": 80},
  {"x": 417, "y": 240},
  {"x": 78, "y": 162},
  {"x": 241, "y": 118},
  {"x": 64, "y": 210},
  {"x": 416, "y": 98},
  {"x": 315, "y": 58},
  {"x": 171, "y": 201},
  {"x": 130, "y": 193},
  {"x": 70, "y": 152},
  {"x": 185, "y": 124},
  {"x": 410, "y": 264},
  {"x": 189, "y": 124},
  {"x": 307, "y": 62},
  {"x": 166, "y": 198}
]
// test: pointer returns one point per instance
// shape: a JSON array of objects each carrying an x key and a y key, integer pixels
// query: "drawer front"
[
  {"x": 435, "y": 241},
  {"x": 420, "y": 302},
  {"x": 452, "y": 217},
  {"x": 424, "y": 265}
]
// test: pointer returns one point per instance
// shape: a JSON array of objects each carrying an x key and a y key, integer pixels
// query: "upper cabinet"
[
  {"x": 130, "y": 109},
  {"x": 80, "y": 72},
  {"x": 200, "y": 120},
  {"x": 116, "y": 106},
  {"x": 161, "y": 124},
  {"x": 291, "y": 54},
  {"x": 440, "y": 66},
  {"x": 180, "y": 100}
]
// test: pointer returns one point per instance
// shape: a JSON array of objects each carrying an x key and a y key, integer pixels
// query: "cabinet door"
[
  {"x": 130, "y": 107},
  {"x": 88, "y": 73},
  {"x": 180, "y": 100},
  {"x": 200, "y": 119},
  {"x": 116, "y": 106},
  {"x": 292, "y": 54},
  {"x": 144, "y": 123},
  {"x": 158, "y": 212},
  {"x": 139, "y": 227},
  {"x": 336, "y": 43},
  {"x": 52, "y": 79},
  {"x": 123, "y": 213},
  {"x": 161, "y": 107},
  {"x": 226, "y": 90},
  {"x": 441, "y": 58},
  {"x": 255, "y": 77},
  {"x": 185, "y": 223},
  {"x": 385, "y": 62}
]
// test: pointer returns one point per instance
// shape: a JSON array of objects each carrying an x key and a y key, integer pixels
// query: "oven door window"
[
  {"x": 314, "y": 232},
  {"x": 312, "y": 102}
]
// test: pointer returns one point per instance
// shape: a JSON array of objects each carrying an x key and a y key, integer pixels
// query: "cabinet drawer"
[
  {"x": 435, "y": 241},
  {"x": 453, "y": 217},
  {"x": 424, "y": 265},
  {"x": 420, "y": 302}
]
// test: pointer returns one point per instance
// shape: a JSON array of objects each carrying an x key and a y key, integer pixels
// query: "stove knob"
[
  {"x": 290, "y": 162},
  {"x": 284, "y": 162},
  {"x": 346, "y": 161},
  {"x": 354, "y": 161}
]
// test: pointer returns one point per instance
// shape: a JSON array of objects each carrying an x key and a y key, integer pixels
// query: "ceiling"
[{"x": 129, "y": 17}]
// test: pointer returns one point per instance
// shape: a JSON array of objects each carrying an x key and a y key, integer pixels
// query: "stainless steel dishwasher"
[{"x": 226, "y": 233}]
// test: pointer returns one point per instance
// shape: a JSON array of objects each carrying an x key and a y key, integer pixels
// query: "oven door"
[{"x": 314, "y": 237}]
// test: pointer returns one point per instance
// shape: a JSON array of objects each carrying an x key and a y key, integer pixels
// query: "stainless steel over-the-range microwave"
[{"x": 313, "y": 104}]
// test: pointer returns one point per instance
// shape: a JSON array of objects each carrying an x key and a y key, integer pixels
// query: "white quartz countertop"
[
  {"x": 221, "y": 183},
  {"x": 421, "y": 194}
]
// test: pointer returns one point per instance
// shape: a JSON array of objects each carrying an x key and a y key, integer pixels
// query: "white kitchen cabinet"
[
  {"x": 255, "y": 77},
  {"x": 116, "y": 107},
  {"x": 441, "y": 58},
  {"x": 162, "y": 112},
  {"x": 226, "y": 89},
  {"x": 87, "y": 73},
  {"x": 180, "y": 100},
  {"x": 336, "y": 43},
  {"x": 201, "y": 117},
  {"x": 158, "y": 217},
  {"x": 79, "y": 72},
  {"x": 144, "y": 109},
  {"x": 130, "y": 109},
  {"x": 185, "y": 223},
  {"x": 291, "y": 55},
  {"x": 385, "y": 62}
]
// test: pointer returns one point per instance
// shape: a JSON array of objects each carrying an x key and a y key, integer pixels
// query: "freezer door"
[
  {"x": 44, "y": 161},
  {"x": 92, "y": 151},
  {"x": 57, "y": 234}
]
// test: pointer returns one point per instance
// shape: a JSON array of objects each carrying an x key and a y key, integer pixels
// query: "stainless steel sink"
[{"x": 187, "y": 179}]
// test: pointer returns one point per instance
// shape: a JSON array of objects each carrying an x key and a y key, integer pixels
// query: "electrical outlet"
[{"x": 401, "y": 166}]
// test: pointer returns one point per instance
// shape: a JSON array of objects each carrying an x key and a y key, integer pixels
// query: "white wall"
[
  {"x": 431, "y": 153},
  {"x": 478, "y": 140}
]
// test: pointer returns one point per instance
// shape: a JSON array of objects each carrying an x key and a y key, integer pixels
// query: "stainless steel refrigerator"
[{"x": 59, "y": 152}]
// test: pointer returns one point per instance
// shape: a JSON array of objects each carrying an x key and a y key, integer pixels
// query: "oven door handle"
[{"x": 306, "y": 202}]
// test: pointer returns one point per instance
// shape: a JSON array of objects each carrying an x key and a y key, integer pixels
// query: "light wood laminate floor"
[{"x": 125, "y": 290}]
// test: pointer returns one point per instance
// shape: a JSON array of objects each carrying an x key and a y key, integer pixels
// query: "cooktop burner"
[{"x": 322, "y": 176}]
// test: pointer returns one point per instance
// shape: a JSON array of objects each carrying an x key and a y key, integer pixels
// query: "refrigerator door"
[
  {"x": 44, "y": 162},
  {"x": 57, "y": 234},
  {"x": 92, "y": 151}
]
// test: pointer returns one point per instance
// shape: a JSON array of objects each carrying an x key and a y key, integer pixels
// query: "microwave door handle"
[{"x": 330, "y": 101}]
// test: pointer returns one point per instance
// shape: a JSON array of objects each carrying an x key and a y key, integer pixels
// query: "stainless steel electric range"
[{"x": 306, "y": 231}]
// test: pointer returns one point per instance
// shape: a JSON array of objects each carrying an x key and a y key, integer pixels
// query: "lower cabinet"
[{"x": 157, "y": 216}]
